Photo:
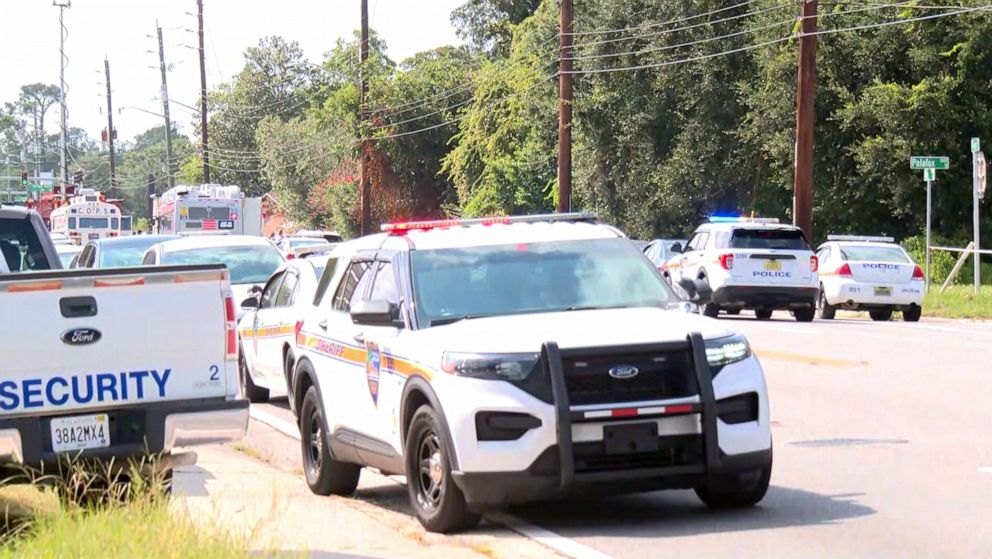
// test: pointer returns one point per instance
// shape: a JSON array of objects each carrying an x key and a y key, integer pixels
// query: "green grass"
[
  {"x": 143, "y": 528},
  {"x": 959, "y": 301}
]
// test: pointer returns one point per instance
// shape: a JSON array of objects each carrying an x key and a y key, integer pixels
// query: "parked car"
[
  {"x": 270, "y": 323},
  {"x": 118, "y": 252},
  {"x": 85, "y": 377},
  {"x": 660, "y": 251},
  {"x": 251, "y": 261},
  {"x": 68, "y": 253}
]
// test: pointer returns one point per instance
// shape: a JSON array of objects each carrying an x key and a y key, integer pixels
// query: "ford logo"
[
  {"x": 624, "y": 371},
  {"x": 81, "y": 336}
]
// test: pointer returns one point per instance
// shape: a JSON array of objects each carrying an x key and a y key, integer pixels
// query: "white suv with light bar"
[
  {"x": 748, "y": 263},
  {"x": 507, "y": 360},
  {"x": 871, "y": 274}
]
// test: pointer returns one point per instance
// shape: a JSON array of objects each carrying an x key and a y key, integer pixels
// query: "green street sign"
[
  {"x": 929, "y": 162},
  {"x": 976, "y": 145},
  {"x": 20, "y": 198},
  {"x": 929, "y": 174},
  {"x": 39, "y": 188}
]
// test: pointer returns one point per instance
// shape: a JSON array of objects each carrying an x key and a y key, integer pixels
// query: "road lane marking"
[
  {"x": 807, "y": 359},
  {"x": 287, "y": 428},
  {"x": 547, "y": 538},
  {"x": 986, "y": 470}
]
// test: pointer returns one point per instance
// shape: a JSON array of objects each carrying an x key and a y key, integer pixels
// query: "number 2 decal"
[{"x": 214, "y": 372}]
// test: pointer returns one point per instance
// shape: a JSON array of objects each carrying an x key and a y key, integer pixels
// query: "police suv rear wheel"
[
  {"x": 325, "y": 476},
  {"x": 736, "y": 491},
  {"x": 438, "y": 503},
  {"x": 254, "y": 394},
  {"x": 804, "y": 315},
  {"x": 763, "y": 314},
  {"x": 711, "y": 310},
  {"x": 912, "y": 314}
]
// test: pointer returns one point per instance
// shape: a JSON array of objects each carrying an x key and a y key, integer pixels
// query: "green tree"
[{"x": 488, "y": 24}]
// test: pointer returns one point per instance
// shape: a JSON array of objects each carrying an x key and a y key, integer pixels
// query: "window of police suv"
[
  {"x": 247, "y": 264},
  {"x": 455, "y": 283},
  {"x": 769, "y": 239}
]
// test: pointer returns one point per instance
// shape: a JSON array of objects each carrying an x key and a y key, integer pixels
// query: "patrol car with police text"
[
  {"x": 749, "y": 263},
  {"x": 506, "y": 360},
  {"x": 111, "y": 363},
  {"x": 871, "y": 274}
]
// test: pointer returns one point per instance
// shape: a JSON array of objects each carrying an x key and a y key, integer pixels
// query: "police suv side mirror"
[
  {"x": 676, "y": 248},
  {"x": 375, "y": 313},
  {"x": 250, "y": 303}
]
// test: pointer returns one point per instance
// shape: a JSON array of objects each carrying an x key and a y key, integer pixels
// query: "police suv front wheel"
[
  {"x": 255, "y": 394},
  {"x": 325, "y": 476},
  {"x": 736, "y": 491},
  {"x": 438, "y": 503}
]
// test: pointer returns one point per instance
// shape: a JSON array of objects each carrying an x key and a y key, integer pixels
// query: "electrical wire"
[{"x": 661, "y": 23}]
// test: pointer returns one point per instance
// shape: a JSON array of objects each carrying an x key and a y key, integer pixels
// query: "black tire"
[
  {"x": 729, "y": 493},
  {"x": 325, "y": 476},
  {"x": 287, "y": 370},
  {"x": 763, "y": 314},
  {"x": 438, "y": 503},
  {"x": 912, "y": 314},
  {"x": 804, "y": 315},
  {"x": 733, "y": 312},
  {"x": 881, "y": 316},
  {"x": 826, "y": 310},
  {"x": 255, "y": 394},
  {"x": 711, "y": 310}
]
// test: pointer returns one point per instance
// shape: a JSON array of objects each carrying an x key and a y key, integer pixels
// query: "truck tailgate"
[{"x": 88, "y": 339}]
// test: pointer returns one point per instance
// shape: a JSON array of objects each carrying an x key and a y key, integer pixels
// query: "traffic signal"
[
  {"x": 24, "y": 178},
  {"x": 77, "y": 177}
]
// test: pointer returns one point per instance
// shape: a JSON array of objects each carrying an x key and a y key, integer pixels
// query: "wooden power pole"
[
  {"x": 565, "y": 109},
  {"x": 170, "y": 161},
  {"x": 365, "y": 187},
  {"x": 110, "y": 133},
  {"x": 802, "y": 210},
  {"x": 203, "y": 97}
]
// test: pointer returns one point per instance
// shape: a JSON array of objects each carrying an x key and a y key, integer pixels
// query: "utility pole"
[
  {"x": 802, "y": 211},
  {"x": 565, "y": 109},
  {"x": 151, "y": 196},
  {"x": 203, "y": 97},
  {"x": 365, "y": 188},
  {"x": 63, "y": 143},
  {"x": 165, "y": 109},
  {"x": 110, "y": 133}
]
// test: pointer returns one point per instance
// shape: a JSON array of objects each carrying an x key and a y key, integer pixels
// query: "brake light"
[
  {"x": 845, "y": 271},
  {"x": 230, "y": 327},
  {"x": 727, "y": 261},
  {"x": 918, "y": 273},
  {"x": 290, "y": 256},
  {"x": 814, "y": 263}
]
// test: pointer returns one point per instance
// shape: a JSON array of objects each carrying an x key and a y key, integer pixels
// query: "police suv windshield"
[
  {"x": 248, "y": 264},
  {"x": 451, "y": 284}
]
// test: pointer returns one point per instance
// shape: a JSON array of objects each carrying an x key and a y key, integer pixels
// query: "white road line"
[
  {"x": 547, "y": 538},
  {"x": 285, "y": 427},
  {"x": 986, "y": 470}
]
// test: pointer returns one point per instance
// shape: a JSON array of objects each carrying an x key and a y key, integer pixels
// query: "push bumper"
[
  {"x": 563, "y": 468},
  {"x": 753, "y": 296},
  {"x": 156, "y": 428}
]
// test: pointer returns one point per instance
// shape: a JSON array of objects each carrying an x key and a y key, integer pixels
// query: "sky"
[{"x": 123, "y": 31}]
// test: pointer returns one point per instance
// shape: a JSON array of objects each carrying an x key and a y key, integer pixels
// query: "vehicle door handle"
[
  {"x": 77, "y": 307},
  {"x": 322, "y": 324},
  {"x": 360, "y": 337}
]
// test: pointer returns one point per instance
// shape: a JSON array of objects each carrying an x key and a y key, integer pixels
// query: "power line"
[{"x": 659, "y": 24}]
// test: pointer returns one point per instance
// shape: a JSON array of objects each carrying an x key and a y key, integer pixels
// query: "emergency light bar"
[
  {"x": 400, "y": 228},
  {"x": 741, "y": 219},
  {"x": 860, "y": 239}
]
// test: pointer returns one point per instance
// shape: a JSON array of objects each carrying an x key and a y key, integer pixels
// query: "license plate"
[
  {"x": 631, "y": 439},
  {"x": 773, "y": 266},
  {"x": 94, "y": 236},
  {"x": 82, "y": 432},
  {"x": 883, "y": 291}
]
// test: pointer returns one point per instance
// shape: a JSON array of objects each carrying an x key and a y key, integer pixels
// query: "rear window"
[
  {"x": 873, "y": 254},
  {"x": 20, "y": 246},
  {"x": 780, "y": 239}
]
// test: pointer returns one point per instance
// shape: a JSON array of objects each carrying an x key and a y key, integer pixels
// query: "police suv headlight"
[
  {"x": 724, "y": 351},
  {"x": 492, "y": 366}
]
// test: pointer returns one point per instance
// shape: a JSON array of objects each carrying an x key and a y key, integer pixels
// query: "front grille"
[
  {"x": 683, "y": 450},
  {"x": 660, "y": 376}
]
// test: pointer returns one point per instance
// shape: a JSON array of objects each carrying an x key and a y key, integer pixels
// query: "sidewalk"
[{"x": 276, "y": 513}]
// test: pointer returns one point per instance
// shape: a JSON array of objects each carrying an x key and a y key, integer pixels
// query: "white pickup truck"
[{"x": 111, "y": 363}]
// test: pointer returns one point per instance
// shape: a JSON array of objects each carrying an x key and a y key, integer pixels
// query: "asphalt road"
[{"x": 882, "y": 449}]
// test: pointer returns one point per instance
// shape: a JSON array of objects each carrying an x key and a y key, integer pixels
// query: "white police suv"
[
  {"x": 506, "y": 360},
  {"x": 871, "y": 274},
  {"x": 749, "y": 263}
]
